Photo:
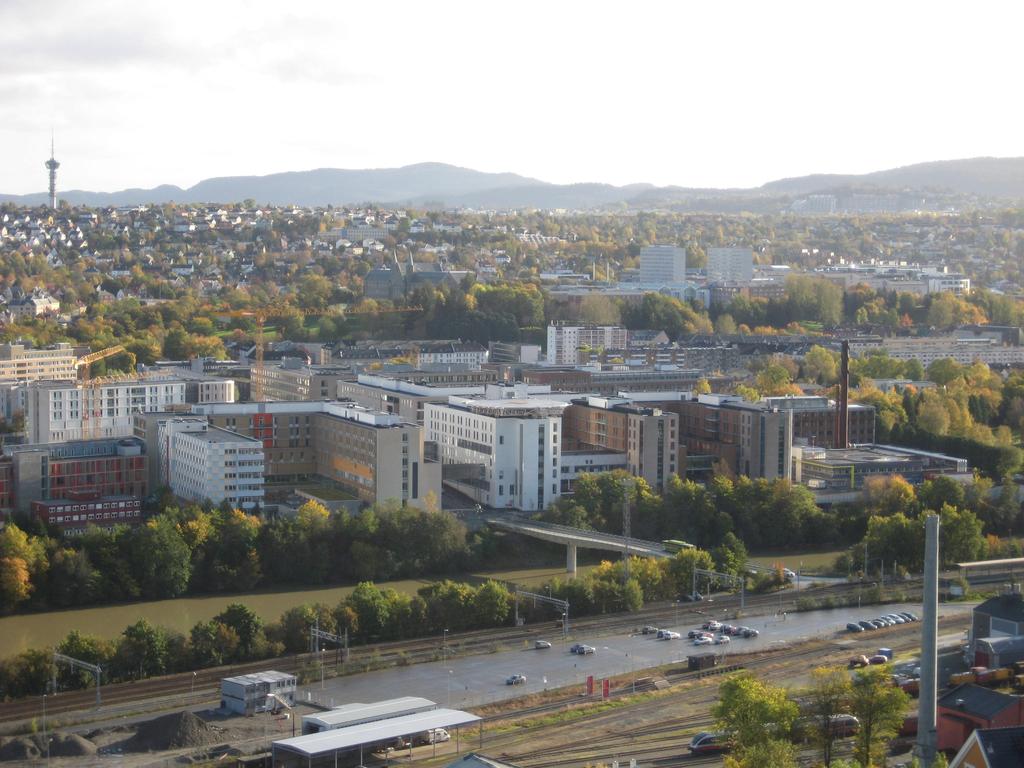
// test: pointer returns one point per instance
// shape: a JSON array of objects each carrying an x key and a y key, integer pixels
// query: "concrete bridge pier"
[{"x": 570, "y": 559}]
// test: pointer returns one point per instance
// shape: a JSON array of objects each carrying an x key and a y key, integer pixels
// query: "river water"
[{"x": 37, "y": 630}]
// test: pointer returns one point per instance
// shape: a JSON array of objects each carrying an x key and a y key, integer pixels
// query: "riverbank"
[{"x": 37, "y": 630}]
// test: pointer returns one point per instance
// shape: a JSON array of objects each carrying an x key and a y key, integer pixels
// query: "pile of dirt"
[
  {"x": 19, "y": 748},
  {"x": 71, "y": 745},
  {"x": 174, "y": 731},
  {"x": 34, "y": 747}
]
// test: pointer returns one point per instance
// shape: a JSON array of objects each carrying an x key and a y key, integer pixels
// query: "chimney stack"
[{"x": 843, "y": 401}]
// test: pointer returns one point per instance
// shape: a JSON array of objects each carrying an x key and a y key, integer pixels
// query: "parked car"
[
  {"x": 908, "y": 616},
  {"x": 586, "y": 650},
  {"x": 695, "y": 633},
  {"x": 668, "y": 635},
  {"x": 749, "y": 632},
  {"x": 515, "y": 680},
  {"x": 788, "y": 575},
  {"x": 541, "y": 644},
  {"x": 706, "y": 743},
  {"x": 723, "y": 640},
  {"x": 854, "y": 627},
  {"x": 878, "y": 659},
  {"x": 711, "y": 625},
  {"x": 896, "y": 617},
  {"x": 867, "y": 625},
  {"x": 575, "y": 648},
  {"x": 649, "y": 630},
  {"x": 703, "y": 640},
  {"x": 857, "y": 662}
]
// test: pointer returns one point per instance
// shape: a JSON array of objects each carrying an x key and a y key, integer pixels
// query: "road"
[{"x": 476, "y": 680}]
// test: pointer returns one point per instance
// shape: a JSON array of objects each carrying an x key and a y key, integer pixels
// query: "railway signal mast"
[{"x": 78, "y": 664}]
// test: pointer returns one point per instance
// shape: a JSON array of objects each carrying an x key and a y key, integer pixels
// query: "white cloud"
[{"x": 702, "y": 94}]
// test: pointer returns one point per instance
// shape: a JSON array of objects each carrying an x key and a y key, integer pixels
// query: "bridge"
[{"x": 577, "y": 537}]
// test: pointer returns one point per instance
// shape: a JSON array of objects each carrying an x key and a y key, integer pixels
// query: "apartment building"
[
  {"x": 293, "y": 379},
  {"x": 19, "y": 362},
  {"x": 662, "y": 265},
  {"x": 502, "y": 450},
  {"x": 647, "y": 436},
  {"x": 814, "y": 420},
  {"x": 565, "y": 341},
  {"x": 612, "y": 380},
  {"x": 74, "y": 515},
  {"x": 200, "y": 462},
  {"x": 111, "y": 467},
  {"x": 730, "y": 265},
  {"x": 467, "y": 353},
  {"x": 404, "y": 397},
  {"x": 377, "y": 456},
  {"x": 927, "y": 349}
]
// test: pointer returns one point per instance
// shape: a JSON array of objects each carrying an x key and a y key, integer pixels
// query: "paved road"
[{"x": 474, "y": 680}]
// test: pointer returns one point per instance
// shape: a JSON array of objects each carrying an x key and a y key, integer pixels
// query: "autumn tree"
[{"x": 880, "y": 707}]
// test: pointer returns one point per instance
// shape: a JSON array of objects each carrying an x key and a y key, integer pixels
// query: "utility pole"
[{"x": 927, "y": 737}]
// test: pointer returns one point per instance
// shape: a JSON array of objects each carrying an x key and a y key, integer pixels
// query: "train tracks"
[{"x": 203, "y": 685}]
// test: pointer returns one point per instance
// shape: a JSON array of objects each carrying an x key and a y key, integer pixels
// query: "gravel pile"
[
  {"x": 175, "y": 731},
  {"x": 71, "y": 745},
  {"x": 19, "y": 748},
  {"x": 34, "y": 748}
]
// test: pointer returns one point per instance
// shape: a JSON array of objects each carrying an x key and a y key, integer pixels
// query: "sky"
[{"x": 712, "y": 93}]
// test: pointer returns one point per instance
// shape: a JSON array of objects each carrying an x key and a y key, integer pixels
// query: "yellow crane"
[{"x": 90, "y": 412}]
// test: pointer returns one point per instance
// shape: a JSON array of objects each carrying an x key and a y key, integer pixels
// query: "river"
[{"x": 38, "y": 630}]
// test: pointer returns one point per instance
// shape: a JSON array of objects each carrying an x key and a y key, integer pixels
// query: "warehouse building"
[{"x": 257, "y": 692}]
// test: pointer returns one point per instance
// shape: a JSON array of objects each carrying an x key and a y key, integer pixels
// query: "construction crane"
[
  {"x": 262, "y": 314},
  {"x": 89, "y": 385}
]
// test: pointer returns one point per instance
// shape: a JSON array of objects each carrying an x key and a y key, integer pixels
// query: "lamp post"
[
  {"x": 192, "y": 692},
  {"x": 450, "y": 673}
]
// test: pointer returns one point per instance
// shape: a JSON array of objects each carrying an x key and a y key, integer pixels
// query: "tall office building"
[
  {"x": 662, "y": 265},
  {"x": 565, "y": 341},
  {"x": 734, "y": 265}
]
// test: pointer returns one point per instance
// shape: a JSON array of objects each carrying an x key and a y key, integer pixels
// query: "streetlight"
[
  {"x": 46, "y": 737},
  {"x": 450, "y": 673},
  {"x": 192, "y": 692}
]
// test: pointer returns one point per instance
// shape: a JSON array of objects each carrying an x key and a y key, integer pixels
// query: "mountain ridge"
[{"x": 420, "y": 183}]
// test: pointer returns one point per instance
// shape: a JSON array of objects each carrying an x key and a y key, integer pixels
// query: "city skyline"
[{"x": 576, "y": 93}]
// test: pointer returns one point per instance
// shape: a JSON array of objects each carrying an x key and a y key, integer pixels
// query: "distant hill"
[{"x": 987, "y": 177}]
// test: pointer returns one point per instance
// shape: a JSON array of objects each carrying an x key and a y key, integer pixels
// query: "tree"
[
  {"x": 599, "y": 310},
  {"x": 681, "y": 568},
  {"x": 731, "y": 555},
  {"x": 821, "y": 365},
  {"x": 244, "y": 622},
  {"x": 491, "y": 604},
  {"x": 142, "y": 650},
  {"x": 754, "y": 711},
  {"x": 160, "y": 558},
  {"x": 15, "y": 586},
  {"x": 776, "y": 753},
  {"x": 944, "y": 371},
  {"x": 827, "y": 697},
  {"x": 879, "y": 706},
  {"x": 961, "y": 540}
]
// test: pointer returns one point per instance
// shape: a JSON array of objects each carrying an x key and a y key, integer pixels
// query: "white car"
[
  {"x": 541, "y": 644},
  {"x": 723, "y": 640},
  {"x": 703, "y": 640},
  {"x": 669, "y": 635}
]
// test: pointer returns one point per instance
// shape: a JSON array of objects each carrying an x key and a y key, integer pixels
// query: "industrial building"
[
  {"x": 20, "y": 362},
  {"x": 257, "y": 692},
  {"x": 838, "y": 474},
  {"x": 294, "y": 379},
  {"x": 358, "y": 714},
  {"x": 63, "y": 411},
  {"x": 376, "y": 456},
  {"x": 502, "y": 450},
  {"x": 45, "y": 473},
  {"x": 199, "y": 462},
  {"x": 814, "y": 420},
  {"x": 343, "y": 746},
  {"x": 646, "y": 435}
]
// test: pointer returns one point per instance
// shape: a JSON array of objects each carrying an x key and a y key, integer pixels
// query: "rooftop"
[{"x": 975, "y": 700}]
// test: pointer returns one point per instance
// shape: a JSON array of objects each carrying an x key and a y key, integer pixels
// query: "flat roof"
[
  {"x": 358, "y": 713},
  {"x": 270, "y": 676},
  {"x": 340, "y": 739}
]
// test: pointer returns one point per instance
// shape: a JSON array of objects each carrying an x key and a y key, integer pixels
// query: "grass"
[{"x": 811, "y": 561}]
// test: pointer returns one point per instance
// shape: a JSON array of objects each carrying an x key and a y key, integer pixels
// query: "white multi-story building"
[
  {"x": 64, "y": 411},
  {"x": 730, "y": 265},
  {"x": 21, "y": 363},
  {"x": 928, "y": 349},
  {"x": 958, "y": 285},
  {"x": 507, "y": 446},
  {"x": 662, "y": 265},
  {"x": 199, "y": 462},
  {"x": 565, "y": 341}
]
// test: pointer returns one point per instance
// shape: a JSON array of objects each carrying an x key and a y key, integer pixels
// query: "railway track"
[{"x": 202, "y": 685}]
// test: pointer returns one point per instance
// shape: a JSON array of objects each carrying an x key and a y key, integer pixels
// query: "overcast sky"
[{"x": 706, "y": 93}]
